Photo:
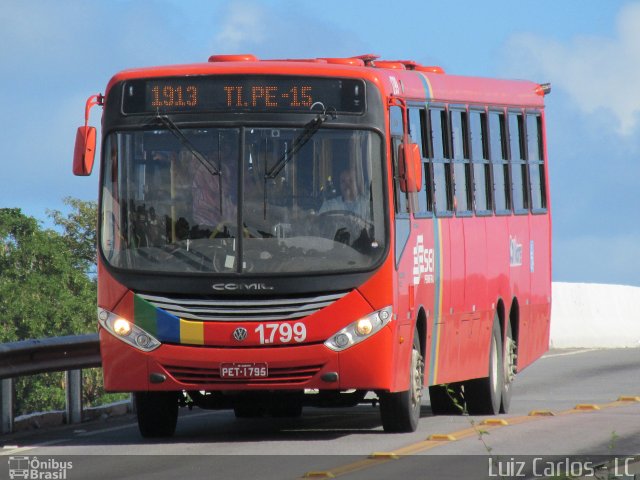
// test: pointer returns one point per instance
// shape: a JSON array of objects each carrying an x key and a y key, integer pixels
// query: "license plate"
[{"x": 244, "y": 370}]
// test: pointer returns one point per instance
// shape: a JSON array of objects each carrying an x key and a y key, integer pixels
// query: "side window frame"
[
  {"x": 536, "y": 162},
  {"x": 519, "y": 175},
  {"x": 417, "y": 115},
  {"x": 440, "y": 161},
  {"x": 500, "y": 161},
  {"x": 461, "y": 160},
  {"x": 480, "y": 160},
  {"x": 396, "y": 130}
]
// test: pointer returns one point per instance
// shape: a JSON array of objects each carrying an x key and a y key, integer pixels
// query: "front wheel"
[
  {"x": 484, "y": 395},
  {"x": 400, "y": 411},
  {"x": 157, "y": 413}
]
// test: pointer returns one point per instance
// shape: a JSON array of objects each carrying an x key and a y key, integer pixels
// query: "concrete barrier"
[{"x": 587, "y": 315}]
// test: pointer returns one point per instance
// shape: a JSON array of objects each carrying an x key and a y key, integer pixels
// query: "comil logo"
[
  {"x": 232, "y": 287},
  {"x": 423, "y": 262},
  {"x": 38, "y": 469}
]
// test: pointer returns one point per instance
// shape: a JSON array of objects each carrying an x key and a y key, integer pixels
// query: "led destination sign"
[{"x": 242, "y": 93}]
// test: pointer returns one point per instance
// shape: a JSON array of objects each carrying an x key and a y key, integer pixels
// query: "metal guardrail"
[{"x": 28, "y": 357}]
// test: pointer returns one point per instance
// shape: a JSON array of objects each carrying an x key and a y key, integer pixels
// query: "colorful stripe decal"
[
  {"x": 162, "y": 325},
  {"x": 437, "y": 304},
  {"x": 191, "y": 332},
  {"x": 145, "y": 315},
  {"x": 428, "y": 89},
  {"x": 439, "y": 270}
]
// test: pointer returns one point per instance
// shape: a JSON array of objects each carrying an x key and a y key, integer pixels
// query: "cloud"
[
  {"x": 243, "y": 25},
  {"x": 598, "y": 73},
  {"x": 288, "y": 31}
]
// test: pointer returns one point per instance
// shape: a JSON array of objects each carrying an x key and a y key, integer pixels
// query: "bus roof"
[{"x": 401, "y": 78}]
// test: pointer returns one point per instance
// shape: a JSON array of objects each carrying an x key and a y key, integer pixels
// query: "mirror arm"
[{"x": 92, "y": 101}]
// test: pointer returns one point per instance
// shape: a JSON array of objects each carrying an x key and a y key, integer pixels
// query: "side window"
[
  {"x": 499, "y": 162},
  {"x": 440, "y": 161},
  {"x": 461, "y": 160},
  {"x": 417, "y": 126},
  {"x": 535, "y": 157},
  {"x": 395, "y": 122},
  {"x": 483, "y": 188},
  {"x": 519, "y": 176}
]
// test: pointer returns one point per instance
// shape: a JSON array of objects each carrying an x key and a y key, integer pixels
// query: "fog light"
[
  {"x": 364, "y": 327},
  {"x": 122, "y": 327}
]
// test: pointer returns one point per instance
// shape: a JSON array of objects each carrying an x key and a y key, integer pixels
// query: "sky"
[{"x": 55, "y": 54}]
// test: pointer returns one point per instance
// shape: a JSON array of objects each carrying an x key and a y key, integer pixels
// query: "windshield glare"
[{"x": 202, "y": 207}]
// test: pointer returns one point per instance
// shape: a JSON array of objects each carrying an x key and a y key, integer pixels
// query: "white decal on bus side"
[{"x": 423, "y": 262}]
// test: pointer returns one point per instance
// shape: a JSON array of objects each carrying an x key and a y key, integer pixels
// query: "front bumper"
[{"x": 365, "y": 366}]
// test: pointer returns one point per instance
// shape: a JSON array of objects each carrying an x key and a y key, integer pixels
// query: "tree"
[
  {"x": 46, "y": 287},
  {"x": 79, "y": 231}
]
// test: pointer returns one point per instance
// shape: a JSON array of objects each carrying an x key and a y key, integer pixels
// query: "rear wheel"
[
  {"x": 157, "y": 413},
  {"x": 400, "y": 411},
  {"x": 484, "y": 395},
  {"x": 510, "y": 368}
]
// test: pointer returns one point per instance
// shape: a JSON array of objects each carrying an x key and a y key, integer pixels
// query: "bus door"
[
  {"x": 414, "y": 229},
  {"x": 402, "y": 219}
]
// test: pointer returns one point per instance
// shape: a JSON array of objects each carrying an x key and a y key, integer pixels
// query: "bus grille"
[
  {"x": 242, "y": 309},
  {"x": 211, "y": 376}
]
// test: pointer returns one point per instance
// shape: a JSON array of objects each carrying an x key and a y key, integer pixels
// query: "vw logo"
[{"x": 240, "y": 334}]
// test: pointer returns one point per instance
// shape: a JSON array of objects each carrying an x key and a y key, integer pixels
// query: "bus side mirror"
[
  {"x": 410, "y": 167},
  {"x": 85, "y": 151}
]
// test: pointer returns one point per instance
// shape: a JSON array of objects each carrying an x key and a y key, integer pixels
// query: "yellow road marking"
[
  {"x": 586, "y": 406},
  {"x": 383, "y": 455},
  {"x": 628, "y": 398},
  {"x": 541, "y": 413},
  {"x": 318, "y": 475},
  {"x": 495, "y": 421},
  {"x": 442, "y": 437},
  {"x": 438, "y": 439}
]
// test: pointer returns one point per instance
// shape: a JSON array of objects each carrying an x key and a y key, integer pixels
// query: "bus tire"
[
  {"x": 484, "y": 395},
  {"x": 400, "y": 411},
  {"x": 510, "y": 356},
  {"x": 157, "y": 413}
]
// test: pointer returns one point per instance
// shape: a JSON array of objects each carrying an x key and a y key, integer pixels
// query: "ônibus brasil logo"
[{"x": 38, "y": 469}]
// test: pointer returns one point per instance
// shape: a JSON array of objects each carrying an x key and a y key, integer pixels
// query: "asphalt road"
[{"x": 349, "y": 443}]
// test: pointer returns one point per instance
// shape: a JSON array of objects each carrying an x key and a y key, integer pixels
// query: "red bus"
[{"x": 326, "y": 232}]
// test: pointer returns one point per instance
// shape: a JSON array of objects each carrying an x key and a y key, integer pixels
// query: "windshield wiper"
[
  {"x": 173, "y": 128},
  {"x": 301, "y": 140}
]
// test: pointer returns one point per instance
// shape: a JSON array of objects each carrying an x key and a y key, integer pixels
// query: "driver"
[{"x": 348, "y": 200}]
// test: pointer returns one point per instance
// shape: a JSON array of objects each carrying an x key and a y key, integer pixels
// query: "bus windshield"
[{"x": 242, "y": 201}]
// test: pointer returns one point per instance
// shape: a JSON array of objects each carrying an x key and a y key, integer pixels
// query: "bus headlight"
[
  {"x": 359, "y": 330},
  {"x": 126, "y": 331}
]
